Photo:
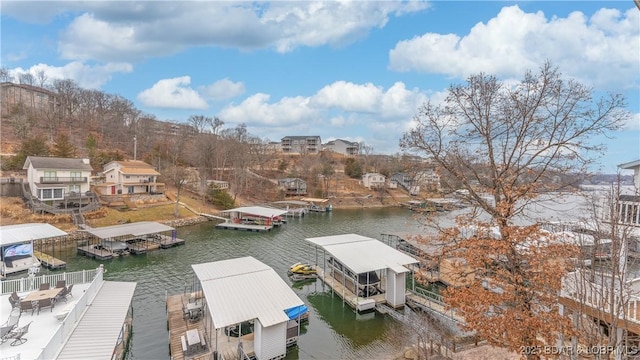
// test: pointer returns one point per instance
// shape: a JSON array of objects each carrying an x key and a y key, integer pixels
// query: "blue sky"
[{"x": 351, "y": 70}]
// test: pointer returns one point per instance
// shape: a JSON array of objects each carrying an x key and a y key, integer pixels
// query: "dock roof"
[
  {"x": 136, "y": 229},
  {"x": 243, "y": 289},
  {"x": 20, "y": 233},
  {"x": 258, "y": 211},
  {"x": 362, "y": 254},
  {"x": 96, "y": 335}
]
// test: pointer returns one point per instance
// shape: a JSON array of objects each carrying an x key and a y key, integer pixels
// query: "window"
[
  {"x": 52, "y": 194},
  {"x": 74, "y": 188},
  {"x": 50, "y": 175},
  {"x": 76, "y": 175},
  {"x": 46, "y": 194}
]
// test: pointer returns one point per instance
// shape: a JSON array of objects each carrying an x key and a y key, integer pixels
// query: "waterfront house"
[
  {"x": 373, "y": 180},
  {"x": 131, "y": 177},
  {"x": 92, "y": 321},
  {"x": 58, "y": 184},
  {"x": 218, "y": 184},
  {"x": 293, "y": 186},
  {"x": 301, "y": 144},
  {"x": 342, "y": 147}
]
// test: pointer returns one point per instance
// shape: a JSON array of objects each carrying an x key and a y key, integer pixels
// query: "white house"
[
  {"x": 301, "y": 144},
  {"x": 54, "y": 179},
  {"x": 635, "y": 166},
  {"x": 130, "y": 177},
  {"x": 373, "y": 180},
  {"x": 343, "y": 147}
]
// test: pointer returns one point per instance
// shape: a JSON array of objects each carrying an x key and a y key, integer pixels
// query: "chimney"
[{"x": 85, "y": 161}]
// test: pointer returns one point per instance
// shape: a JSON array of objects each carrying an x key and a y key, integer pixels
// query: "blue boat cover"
[{"x": 296, "y": 311}]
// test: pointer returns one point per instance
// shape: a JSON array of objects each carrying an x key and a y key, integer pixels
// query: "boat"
[{"x": 302, "y": 269}]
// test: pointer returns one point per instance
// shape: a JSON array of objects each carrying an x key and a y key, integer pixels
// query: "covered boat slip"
[
  {"x": 243, "y": 291},
  {"x": 16, "y": 245},
  {"x": 135, "y": 238},
  {"x": 295, "y": 208},
  {"x": 252, "y": 218},
  {"x": 362, "y": 270},
  {"x": 318, "y": 204}
]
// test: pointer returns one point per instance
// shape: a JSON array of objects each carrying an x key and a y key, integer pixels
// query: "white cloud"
[
  {"x": 601, "y": 50},
  {"x": 256, "y": 110},
  {"x": 223, "y": 89},
  {"x": 134, "y": 30},
  {"x": 86, "y": 76},
  {"x": 633, "y": 123},
  {"x": 396, "y": 102},
  {"x": 173, "y": 93}
]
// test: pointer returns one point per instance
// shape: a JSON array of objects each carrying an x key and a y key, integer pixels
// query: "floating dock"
[
  {"x": 165, "y": 241},
  {"x": 228, "y": 225},
  {"x": 49, "y": 261},
  {"x": 98, "y": 253},
  {"x": 347, "y": 295},
  {"x": 178, "y": 326}
]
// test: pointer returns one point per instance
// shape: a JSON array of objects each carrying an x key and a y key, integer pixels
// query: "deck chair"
[
  {"x": 62, "y": 295},
  {"x": 5, "y": 332},
  {"x": 28, "y": 305},
  {"x": 69, "y": 288},
  {"x": 14, "y": 318},
  {"x": 45, "y": 286},
  {"x": 61, "y": 284},
  {"x": 44, "y": 303},
  {"x": 18, "y": 335}
]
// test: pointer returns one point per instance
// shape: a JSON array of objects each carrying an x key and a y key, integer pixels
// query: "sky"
[{"x": 352, "y": 70}]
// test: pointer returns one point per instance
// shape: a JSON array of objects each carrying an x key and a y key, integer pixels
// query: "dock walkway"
[
  {"x": 49, "y": 261},
  {"x": 227, "y": 346}
]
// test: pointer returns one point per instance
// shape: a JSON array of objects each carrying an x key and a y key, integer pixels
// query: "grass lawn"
[{"x": 152, "y": 213}]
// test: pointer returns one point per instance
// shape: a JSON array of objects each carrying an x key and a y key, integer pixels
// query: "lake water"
[{"x": 334, "y": 331}]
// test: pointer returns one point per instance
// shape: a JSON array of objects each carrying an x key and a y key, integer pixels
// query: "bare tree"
[
  {"x": 27, "y": 79},
  {"x": 507, "y": 142},
  {"x": 41, "y": 78},
  {"x": 200, "y": 123},
  {"x": 5, "y": 75}
]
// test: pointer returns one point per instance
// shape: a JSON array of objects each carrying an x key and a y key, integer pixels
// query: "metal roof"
[
  {"x": 40, "y": 162},
  {"x": 20, "y": 233},
  {"x": 258, "y": 211},
  {"x": 96, "y": 334},
  {"x": 630, "y": 165},
  {"x": 243, "y": 289},
  {"x": 362, "y": 254},
  {"x": 135, "y": 229}
]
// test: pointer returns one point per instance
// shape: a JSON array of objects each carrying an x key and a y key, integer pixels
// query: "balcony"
[{"x": 63, "y": 179}]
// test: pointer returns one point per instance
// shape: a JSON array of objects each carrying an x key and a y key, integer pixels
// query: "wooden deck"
[
  {"x": 226, "y": 346},
  {"x": 49, "y": 261},
  {"x": 246, "y": 227},
  {"x": 142, "y": 246},
  {"x": 92, "y": 252},
  {"x": 345, "y": 293},
  {"x": 166, "y": 242}
]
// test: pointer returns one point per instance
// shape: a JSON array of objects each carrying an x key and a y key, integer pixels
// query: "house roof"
[
  {"x": 135, "y": 229},
  {"x": 20, "y": 233},
  {"x": 258, "y": 211},
  {"x": 301, "y": 137},
  {"x": 134, "y": 167},
  {"x": 630, "y": 165},
  {"x": 362, "y": 254},
  {"x": 96, "y": 334},
  {"x": 41, "y": 162},
  {"x": 230, "y": 288},
  {"x": 29, "y": 87}
]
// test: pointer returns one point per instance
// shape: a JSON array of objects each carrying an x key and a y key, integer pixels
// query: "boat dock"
[
  {"x": 348, "y": 296},
  {"x": 96, "y": 251},
  {"x": 49, "y": 261},
  {"x": 228, "y": 225},
  {"x": 179, "y": 325},
  {"x": 165, "y": 241}
]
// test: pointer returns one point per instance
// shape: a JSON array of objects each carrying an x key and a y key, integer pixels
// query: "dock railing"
[{"x": 25, "y": 284}]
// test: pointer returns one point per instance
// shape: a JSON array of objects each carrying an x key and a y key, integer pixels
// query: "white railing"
[
  {"x": 70, "y": 321},
  {"x": 26, "y": 284},
  {"x": 625, "y": 302}
]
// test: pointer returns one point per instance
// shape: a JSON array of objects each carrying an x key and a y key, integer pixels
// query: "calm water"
[{"x": 334, "y": 330}]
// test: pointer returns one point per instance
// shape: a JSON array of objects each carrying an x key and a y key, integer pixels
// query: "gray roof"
[
  {"x": 20, "y": 233},
  {"x": 136, "y": 229},
  {"x": 362, "y": 254},
  {"x": 39, "y": 162},
  {"x": 243, "y": 289},
  {"x": 257, "y": 211},
  {"x": 96, "y": 335},
  {"x": 630, "y": 165}
]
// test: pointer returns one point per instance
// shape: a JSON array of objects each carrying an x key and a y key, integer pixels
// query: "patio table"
[{"x": 41, "y": 295}]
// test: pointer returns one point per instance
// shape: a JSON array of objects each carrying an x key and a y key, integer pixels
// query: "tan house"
[
  {"x": 129, "y": 178},
  {"x": 343, "y": 147}
]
